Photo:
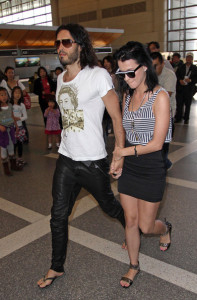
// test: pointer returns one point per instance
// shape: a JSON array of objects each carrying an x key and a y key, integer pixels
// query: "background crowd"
[{"x": 179, "y": 79}]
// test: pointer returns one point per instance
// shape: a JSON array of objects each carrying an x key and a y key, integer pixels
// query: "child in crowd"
[
  {"x": 20, "y": 115},
  {"x": 52, "y": 115},
  {"x": 7, "y": 133}
]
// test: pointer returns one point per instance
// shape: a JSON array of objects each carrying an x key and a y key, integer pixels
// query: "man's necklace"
[{"x": 132, "y": 113}]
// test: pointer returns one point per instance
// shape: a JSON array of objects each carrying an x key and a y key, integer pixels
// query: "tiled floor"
[{"x": 95, "y": 260}]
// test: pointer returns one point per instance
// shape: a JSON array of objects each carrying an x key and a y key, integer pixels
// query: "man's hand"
[
  {"x": 2, "y": 128},
  {"x": 117, "y": 153}
]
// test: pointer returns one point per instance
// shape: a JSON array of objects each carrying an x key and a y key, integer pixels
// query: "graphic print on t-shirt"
[{"x": 72, "y": 118}]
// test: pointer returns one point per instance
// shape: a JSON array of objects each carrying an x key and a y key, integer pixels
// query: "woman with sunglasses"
[{"x": 146, "y": 120}]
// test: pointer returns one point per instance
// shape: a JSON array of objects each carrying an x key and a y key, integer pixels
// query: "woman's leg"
[
  {"x": 147, "y": 221},
  {"x": 130, "y": 207},
  {"x": 49, "y": 141}
]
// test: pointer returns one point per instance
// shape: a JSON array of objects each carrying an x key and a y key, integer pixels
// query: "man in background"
[
  {"x": 167, "y": 79},
  {"x": 186, "y": 88}
]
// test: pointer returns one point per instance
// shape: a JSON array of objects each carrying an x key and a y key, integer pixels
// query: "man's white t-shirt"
[
  {"x": 81, "y": 105},
  {"x": 167, "y": 79}
]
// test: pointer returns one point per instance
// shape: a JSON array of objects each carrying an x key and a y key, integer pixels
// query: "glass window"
[
  {"x": 8, "y": 19},
  {"x": 182, "y": 16},
  {"x": 191, "y": 23},
  {"x": 49, "y": 17},
  {"x": 175, "y": 3},
  {"x": 191, "y": 11},
  {"x": 29, "y": 21},
  {"x": 174, "y": 46},
  {"x": 191, "y": 34},
  {"x": 190, "y": 2},
  {"x": 28, "y": 14},
  {"x": 191, "y": 45},
  {"x": 40, "y": 19},
  {"x": 39, "y": 11},
  {"x": 48, "y": 9},
  {"x": 17, "y": 16},
  {"x": 18, "y": 10},
  {"x": 173, "y": 36}
]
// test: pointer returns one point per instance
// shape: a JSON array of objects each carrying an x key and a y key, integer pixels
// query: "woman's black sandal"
[
  {"x": 168, "y": 230},
  {"x": 128, "y": 280}
]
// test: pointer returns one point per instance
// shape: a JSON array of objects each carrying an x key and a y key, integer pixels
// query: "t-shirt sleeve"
[
  {"x": 170, "y": 83},
  {"x": 103, "y": 82}
]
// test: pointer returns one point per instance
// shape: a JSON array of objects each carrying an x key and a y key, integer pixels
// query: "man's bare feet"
[{"x": 49, "y": 278}]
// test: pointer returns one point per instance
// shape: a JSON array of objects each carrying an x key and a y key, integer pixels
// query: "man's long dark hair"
[
  {"x": 137, "y": 52},
  {"x": 81, "y": 36}
]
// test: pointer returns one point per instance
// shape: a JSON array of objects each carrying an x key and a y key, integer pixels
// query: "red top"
[{"x": 46, "y": 86}]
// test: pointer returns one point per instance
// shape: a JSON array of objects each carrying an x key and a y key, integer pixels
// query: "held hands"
[
  {"x": 117, "y": 163},
  {"x": 116, "y": 168}
]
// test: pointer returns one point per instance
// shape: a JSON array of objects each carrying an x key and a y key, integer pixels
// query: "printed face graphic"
[{"x": 72, "y": 118}]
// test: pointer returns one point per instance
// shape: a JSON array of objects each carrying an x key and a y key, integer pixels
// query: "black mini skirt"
[{"x": 143, "y": 177}]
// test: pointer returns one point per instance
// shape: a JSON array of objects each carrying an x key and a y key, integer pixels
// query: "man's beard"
[{"x": 71, "y": 59}]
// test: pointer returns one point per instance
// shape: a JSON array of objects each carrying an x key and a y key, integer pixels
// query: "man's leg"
[
  {"x": 65, "y": 191},
  {"x": 96, "y": 180},
  {"x": 188, "y": 101},
  {"x": 179, "y": 106}
]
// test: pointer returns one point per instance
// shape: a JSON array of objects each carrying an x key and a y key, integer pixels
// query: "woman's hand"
[{"x": 116, "y": 168}]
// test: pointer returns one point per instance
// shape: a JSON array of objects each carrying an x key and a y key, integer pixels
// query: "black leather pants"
[{"x": 69, "y": 177}]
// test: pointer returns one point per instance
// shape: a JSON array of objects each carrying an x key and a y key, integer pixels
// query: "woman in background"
[{"x": 44, "y": 87}]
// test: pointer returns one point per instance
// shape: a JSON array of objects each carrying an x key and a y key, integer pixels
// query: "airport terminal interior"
[{"x": 95, "y": 258}]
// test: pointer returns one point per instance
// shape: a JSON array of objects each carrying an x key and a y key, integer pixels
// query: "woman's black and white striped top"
[{"x": 144, "y": 122}]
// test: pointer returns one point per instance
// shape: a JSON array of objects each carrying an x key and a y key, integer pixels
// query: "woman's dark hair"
[
  {"x": 136, "y": 51},
  {"x": 3, "y": 89},
  {"x": 111, "y": 60},
  {"x": 21, "y": 100},
  {"x": 6, "y": 69},
  {"x": 42, "y": 68},
  {"x": 54, "y": 101},
  {"x": 81, "y": 37}
]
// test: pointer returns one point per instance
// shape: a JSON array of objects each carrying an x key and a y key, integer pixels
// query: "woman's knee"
[{"x": 131, "y": 221}]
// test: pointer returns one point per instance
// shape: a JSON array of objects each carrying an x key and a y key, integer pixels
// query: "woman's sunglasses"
[
  {"x": 130, "y": 74},
  {"x": 67, "y": 43}
]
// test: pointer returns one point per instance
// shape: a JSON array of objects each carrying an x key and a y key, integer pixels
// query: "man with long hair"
[{"x": 82, "y": 161}]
